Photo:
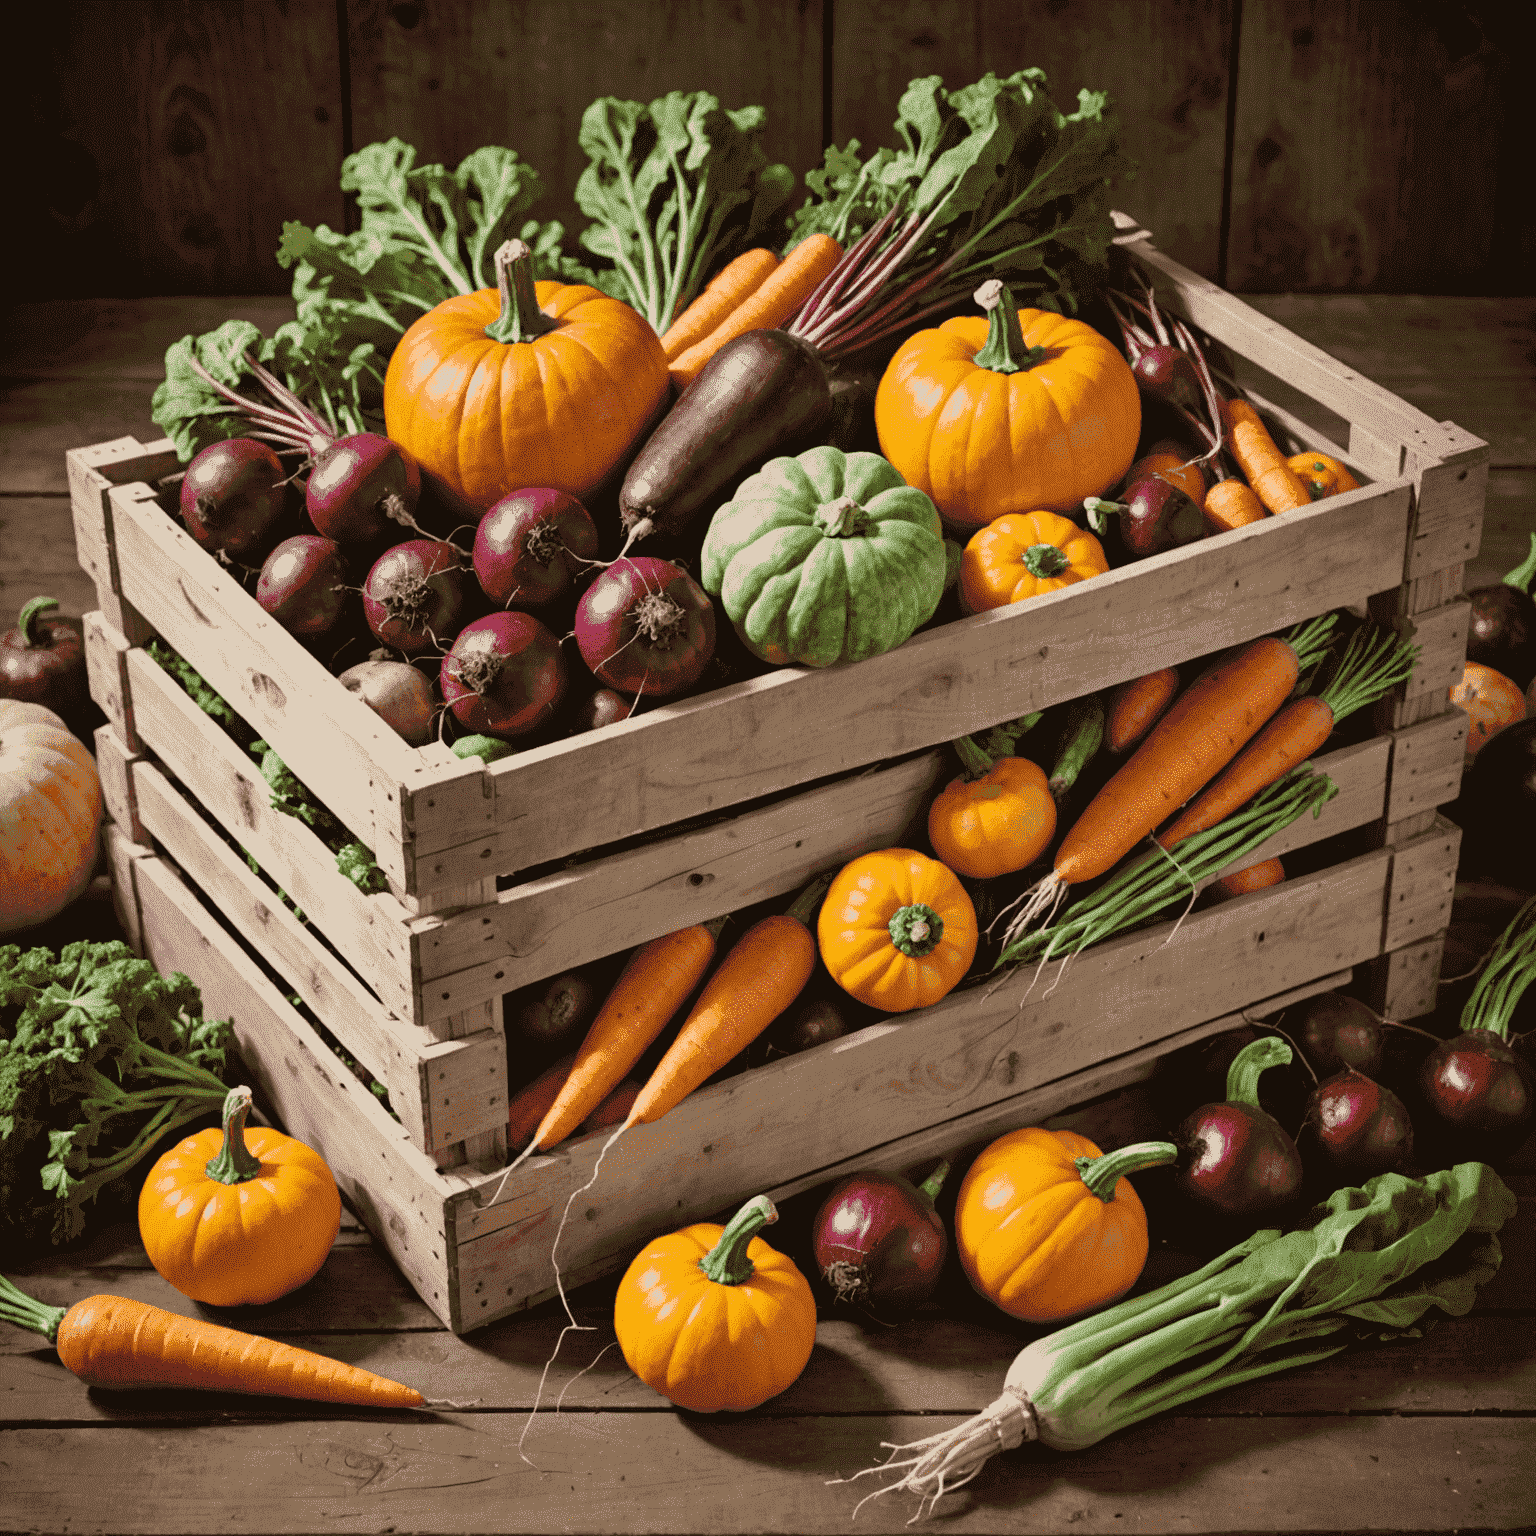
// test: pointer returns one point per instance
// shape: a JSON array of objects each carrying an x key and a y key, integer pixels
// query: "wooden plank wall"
[{"x": 1286, "y": 145}]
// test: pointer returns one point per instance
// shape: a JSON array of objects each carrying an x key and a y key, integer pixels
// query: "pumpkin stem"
[
  {"x": 1102, "y": 1174},
  {"x": 1045, "y": 560},
  {"x": 1520, "y": 578},
  {"x": 916, "y": 930},
  {"x": 976, "y": 761},
  {"x": 727, "y": 1262},
  {"x": 935, "y": 1180},
  {"x": 1004, "y": 351},
  {"x": 1255, "y": 1058},
  {"x": 807, "y": 902},
  {"x": 520, "y": 319},
  {"x": 843, "y": 518},
  {"x": 235, "y": 1163},
  {"x": 31, "y": 612}
]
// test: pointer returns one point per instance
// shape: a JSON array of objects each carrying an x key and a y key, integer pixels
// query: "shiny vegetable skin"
[{"x": 762, "y": 394}]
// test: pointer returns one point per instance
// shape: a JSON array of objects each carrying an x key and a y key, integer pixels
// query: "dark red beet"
[
  {"x": 505, "y": 675},
  {"x": 532, "y": 545},
  {"x": 1168, "y": 375},
  {"x": 646, "y": 626},
  {"x": 362, "y": 487},
  {"x": 414, "y": 596},
  {"x": 233, "y": 499},
  {"x": 303, "y": 584},
  {"x": 879, "y": 1242},
  {"x": 1361, "y": 1128},
  {"x": 1501, "y": 623},
  {"x": 1337, "y": 1032},
  {"x": 1154, "y": 516},
  {"x": 1480, "y": 1092}
]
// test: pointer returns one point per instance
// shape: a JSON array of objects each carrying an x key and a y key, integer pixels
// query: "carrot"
[
  {"x": 1134, "y": 708},
  {"x": 614, "y": 1110},
  {"x": 1273, "y": 480},
  {"x": 111, "y": 1341},
  {"x": 654, "y": 985},
  {"x": 764, "y": 973},
  {"x": 531, "y": 1103},
  {"x": 1257, "y": 877},
  {"x": 1231, "y": 504},
  {"x": 1373, "y": 663},
  {"x": 731, "y": 286},
  {"x": 781, "y": 294}
]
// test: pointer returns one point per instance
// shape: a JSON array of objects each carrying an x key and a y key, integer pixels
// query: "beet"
[
  {"x": 532, "y": 545},
  {"x": 505, "y": 675},
  {"x": 1154, "y": 516},
  {"x": 42, "y": 660},
  {"x": 1168, "y": 375},
  {"x": 1481, "y": 1093},
  {"x": 1336, "y": 1032},
  {"x": 879, "y": 1243},
  {"x": 414, "y": 596},
  {"x": 362, "y": 486},
  {"x": 233, "y": 498},
  {"x": 645, "y": 626},
  {"x": 397, "y": 693},
  {"x": 1361, "y": 1128},
  {"x": 303, "y": 585}
]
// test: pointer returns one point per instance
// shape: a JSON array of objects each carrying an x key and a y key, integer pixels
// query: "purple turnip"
[
  {"x": 413, "y": 597},
  {"x": 645, "y": 626},
  {"x": 1236, "y": 1158},
  {"x": 1167, "y": 374},
  {"x": 233, "y": 497},
  {"x": 1361, "y": 1128},
  {"x": 532, "y": 545},
  {"x": 1155, "y": 516},
  {"x": 505, "y": 675},
  {"x": 303, "y": 585},
  {"x": 397, "y": 693},
  {"x": 879, "y": 1242}
]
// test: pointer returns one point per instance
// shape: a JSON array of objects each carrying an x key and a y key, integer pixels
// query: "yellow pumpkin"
[
  {"x": 897, "y": 930},
  {"x": 1026, "y": 409},
  {"x": 1048, "y": 1227},
  {"x": 713, "y": 1318},
  {"x": 1024, "y": 554},
  {"x": 1322, "y": 474},
  {"x": 238, "y": 1217},
  {"x": 50, "y": 815},
  {"x": 997, "y": 817},
  {"x": 545, "y": 384}
]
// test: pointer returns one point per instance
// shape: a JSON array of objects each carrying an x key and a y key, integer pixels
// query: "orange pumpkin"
[
  {"x": 1024, "y": 409},
  {"x": 1491, "y": 701},
  {"x": 50, "y": 815},
  {"x": 1024, "y": 554},
  {"x": 544, "y": 384},
  {"x": 1048, "y": 1227},
  {"x": 1322, "y": 474},
  {"x": 238, "y": 1217},
  {"x": 896, "y": 930},
  {"x": 997, "y": 817}
]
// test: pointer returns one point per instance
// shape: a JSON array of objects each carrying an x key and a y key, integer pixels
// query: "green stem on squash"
[
  {"x": 727, "y": 1262},
  {"x": 234, "y": 1162},
  {"x": 27, "y": 622},
  {"x": 1004, "y": 351},
  {"x": 935, "y": 1180},
  {"x": 19, "y": 1308},
  {"x": 520, "y": 319},
  {"x": 806, "y": 903},
  {"x": 1045, "y": 560},
  {"x": 1250, "y": 1063},
  {"x": 1102, "y": 1174},
  {"x": 916, "y": 930},
  {"x": 843, "y": 518},
  {"x": 1523, "y": 574},
  {"x": 1003, "y": 740}
]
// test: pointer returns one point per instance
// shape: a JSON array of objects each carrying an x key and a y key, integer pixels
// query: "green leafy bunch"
[
  {"x": 674, "y": 188},
  {"x": 100, "y": 1056}
]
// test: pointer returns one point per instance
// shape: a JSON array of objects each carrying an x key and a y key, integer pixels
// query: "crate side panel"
[
  {"x": 1427, "y": 762},
  {"x": 897, "y": 1077},
  {"x": 793, "y": 725},
  {"x": 391, "y": 1185},
  {"x": 106, "y": 670},
  {"x": 1422, "y": 885}
]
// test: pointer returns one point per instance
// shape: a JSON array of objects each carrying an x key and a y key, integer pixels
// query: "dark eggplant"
[
  {"x": 879, "y": 1242},
  {"x": 1496, "y": 808},
  {"x": 1235, "y": 1158},
  {"x": 761, "y": 394},
  {"x": 1155, "y": 516},
  {"x": 1501, "y": 627},
  {"x": 42, "y": 660},
  {"x": 1361, "y": 1128}
]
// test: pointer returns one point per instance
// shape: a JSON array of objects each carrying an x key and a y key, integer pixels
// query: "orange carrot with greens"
[
  {"x": 111, "y": 1341},
  {"x": 1273, "y": 480},
  {"x": 1230, "y": 504},
  {"x": 657, "y": 981},
  {"x": 766, "y": 970},
  {"x": 1206, "y": 727},
  {"x": 769, "y": 307},
  {"x": 1371, "y": 666},
  {"x": 729, "y": 287},
  {"x": 1135, "y": 707},
  {"x": 1257, "y": 877}
]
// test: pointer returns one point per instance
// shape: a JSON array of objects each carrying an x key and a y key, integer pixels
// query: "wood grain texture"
[
  {"x": 451, "y": 75},
  {"x": 205, "y": 127},
  {"x": 1165, "y": 66},
  {"x": 1365, "y": 148}
]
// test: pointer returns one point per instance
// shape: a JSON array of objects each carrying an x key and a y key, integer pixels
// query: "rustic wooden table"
[{"x": 1429, "y": 1435}]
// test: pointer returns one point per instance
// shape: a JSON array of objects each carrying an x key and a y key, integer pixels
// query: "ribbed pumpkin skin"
[
  {"x": 50, "y": 815},
  {"x": 982, "y": 443},
  {"x": 265, "y": 1236},
  {"x": 710, "y": 1347},
  {"x": 798, "y": 594},
  {"x": 996, "y": 824},
  {"x": 560, "y": 410},
  {"x": 853, "y": 930},
  {"x": 992, "y": 569},
  {"x": 1034, "y": 1240}
]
